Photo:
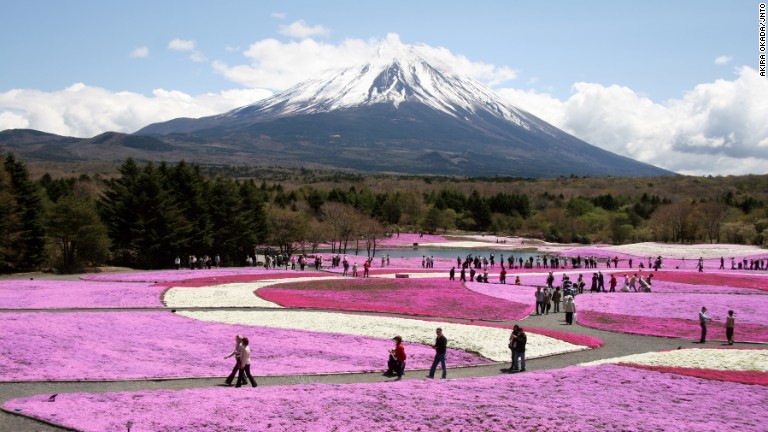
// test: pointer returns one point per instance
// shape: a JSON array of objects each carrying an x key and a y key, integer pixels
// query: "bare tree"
[
  {"x": 341, "y": 220},
  {"x": 287, "y": 229},
  {"x": 371, "y": 230},
  {"x": 711, "y": 216}
]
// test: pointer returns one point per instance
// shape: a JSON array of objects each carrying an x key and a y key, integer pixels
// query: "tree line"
[{"x": 148, "y": 214}]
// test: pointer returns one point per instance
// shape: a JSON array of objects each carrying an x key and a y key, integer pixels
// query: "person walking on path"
[
  {"x": 703, "y": 320},
  {"x": 452, "y": 274},
  {"x": 236, "y": 352},
  {"x": 701, "y": 264},
  {"x": 441, "y": 344},
  {"x": 569, "y": 307},
  {"x": 513, "y": 346},
  {"x": 612, "y": 283},
  {"x": 245, "y": 365},
  {"x": 520, "y": 342},
  {"x": 556, "y": 299},
  {"x": 540, "y": 296},
  {"x": 730, "y": 323}
]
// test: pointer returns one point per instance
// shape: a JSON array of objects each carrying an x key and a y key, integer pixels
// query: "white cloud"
[
  {"x": 300, "y": 29},
  {"x": 722, "y": 60},
  {"x": 85, "y": 111},
  {"x": 198, "y": 57},
  {"x": 278, "y": 65},
  {"x": 716, "y": 128},
  {"x": 280, "y": 15},
  {"x": 140, "y": 52},
  {"x": 181, "y": 45}
]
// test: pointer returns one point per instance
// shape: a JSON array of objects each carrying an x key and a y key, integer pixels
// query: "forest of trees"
[{"x": 145, "y": 215}]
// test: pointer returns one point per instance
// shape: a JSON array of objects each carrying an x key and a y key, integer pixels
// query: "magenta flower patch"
[
  {"x": 630, "y": 399},
  {"x": 434, "y": 297}
]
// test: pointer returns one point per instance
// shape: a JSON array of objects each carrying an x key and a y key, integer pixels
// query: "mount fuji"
[{"x": 397, "y": 113}]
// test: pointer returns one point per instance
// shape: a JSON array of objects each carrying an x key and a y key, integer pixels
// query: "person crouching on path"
[
  {"x": 441, "y": 344},
  {"x": 236, "y": 352},
  {"x": 399, "y": 356},
  {"x": 245, "y": 365}
]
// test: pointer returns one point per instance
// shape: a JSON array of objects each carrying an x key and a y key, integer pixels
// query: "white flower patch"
[
  {"x": 489, "y": 342},
  {"x": 680, "y": 251},
  {"x": 227, "y": 295},
  {"x": 698, "y": 358}
]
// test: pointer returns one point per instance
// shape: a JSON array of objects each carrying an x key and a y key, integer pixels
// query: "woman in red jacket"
[{"x": 399, "y": 355}]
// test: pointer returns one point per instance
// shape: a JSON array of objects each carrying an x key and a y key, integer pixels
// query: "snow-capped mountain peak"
[{"x": 394, "y": 74}]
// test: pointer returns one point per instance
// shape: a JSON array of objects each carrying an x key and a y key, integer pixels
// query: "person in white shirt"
[
  {"x": 245, "y": 365},
  {"x": 236, "y": 352}
]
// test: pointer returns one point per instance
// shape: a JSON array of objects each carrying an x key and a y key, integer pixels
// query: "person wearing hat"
[{"x": 396, "y": 362}]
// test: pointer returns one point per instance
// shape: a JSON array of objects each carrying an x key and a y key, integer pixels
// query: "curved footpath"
[{"x": 616, "y": 344}]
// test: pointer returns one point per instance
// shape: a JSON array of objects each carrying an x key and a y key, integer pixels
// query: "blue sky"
[{"x": 626, "y": 76}]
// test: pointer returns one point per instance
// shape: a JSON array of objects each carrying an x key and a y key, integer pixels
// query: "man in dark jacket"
[
  {"x": 520, "y": 340},
  {"x": 441, "y": 344}
]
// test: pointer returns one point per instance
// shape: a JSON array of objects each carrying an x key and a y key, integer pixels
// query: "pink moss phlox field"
[
  {"x": 670, "y": 327},
  {"x": 548, "y": 401},
  {"x": 744, "y": 377},
  {"x": 726, "y": 278},
  {"x": 134, "y": 345},
  {"x": 55, "y": 294},
  {"x": 750, "y": 309},
  {"x": 158, "y": 276},
  {"x": 220, "y": 280},
  {"x": 430, "y": 297}
]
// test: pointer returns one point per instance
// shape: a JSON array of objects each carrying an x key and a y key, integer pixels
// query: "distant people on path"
[
  {"x": 703, "y": 320},
  {"x": 730, "y": 323},
  {"x": 612, "y": 283},
  {"x": 236, "y": 353},
  {"x": 177, "y": 262},
  {"x": 452, "y": 274},
  {"x": 441, "y": 345},
  {"x": 245, "y": 365},
  {"x": 569, "y": 307},
  {"x": 701, "y": 264}
]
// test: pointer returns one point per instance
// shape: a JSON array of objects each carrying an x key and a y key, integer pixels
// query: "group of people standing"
[{"x": 397, "y": 356}]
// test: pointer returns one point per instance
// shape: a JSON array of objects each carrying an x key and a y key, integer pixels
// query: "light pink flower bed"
[
  {"x": 670, "y": 327},
  {"x": 48, "y": 294},
  {"x": 158, "y": 276},
  {"x": 518, "y": 294},
  {"x": 138, "y": 345},
  {"x": 744, "y": 377},
  {"x": 554, "y": 400},
  {"x": 723, "y": 278},
  {"x": 430, "y": 297},
  {"x": 219, "y": 280},
  {"x": 674, "y": 315}
]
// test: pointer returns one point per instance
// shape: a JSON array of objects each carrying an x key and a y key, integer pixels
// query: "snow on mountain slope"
[{"x": 397, "y": 73}]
